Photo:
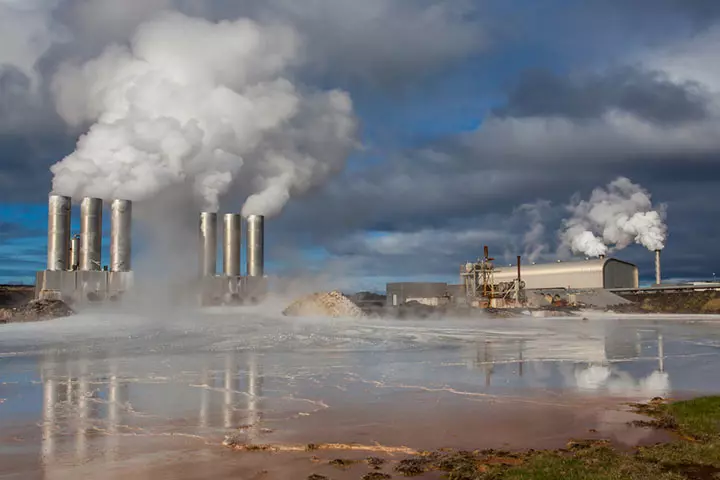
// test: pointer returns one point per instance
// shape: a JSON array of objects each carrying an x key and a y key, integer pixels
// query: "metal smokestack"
[
  {"x": 208, "y": 244},
  {"x": 75, "y": 252},
  {"x": 231, "y": 244},
  {"x": 519, "y": 259},
  {"x": 255, "y": 246},
  {"x": 120, "y": 235},
  {"x": 91, "y": 234},
  {"x": 58, "y": 252},
  {"x": 658, "y": 277}
]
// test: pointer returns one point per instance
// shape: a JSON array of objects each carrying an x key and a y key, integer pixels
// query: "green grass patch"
[
  {"x": 695, "y": 455},
  {"x": 698, "y": 418}
]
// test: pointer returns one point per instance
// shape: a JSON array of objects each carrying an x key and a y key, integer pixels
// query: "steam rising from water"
[
  {"x": 614, "y": 217},
  {"x": 205, "y": 104}
]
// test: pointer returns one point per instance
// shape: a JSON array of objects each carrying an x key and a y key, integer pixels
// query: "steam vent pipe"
[
  {"x": 58, "y": 252},
  {"x": 120, "y": 235},
  {"x": 255, "y": 246},
  {"x": 91, "y": 234},
  {"x": 658, "y": 278},
  {"x": 231, "y": 244},
  {"x": 208, "y": 244},
  {"x": 75, "y": 252}
]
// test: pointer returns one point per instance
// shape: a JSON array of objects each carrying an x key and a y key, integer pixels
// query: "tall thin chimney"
[
  {"x": 231, "y": 244},
  {"x": 255, "y": 246},
  {"x": 75, "y": 252},
  {"x": 58, "y": 252},
  {"x": 91, "y": 234},
  {"x": 658, "y": 277},
  {"x": 120, "y": 236},
  {"x": 208, "y": 244},
  {"x": 519, "y": 258}
]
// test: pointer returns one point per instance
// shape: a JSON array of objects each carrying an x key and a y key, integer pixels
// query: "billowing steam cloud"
[
  {"x": 205, "y": 104},
  {"x": 613, "y": 218}
]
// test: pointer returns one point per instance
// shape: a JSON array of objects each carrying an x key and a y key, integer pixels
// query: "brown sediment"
[
  {"x": 230, "y": 442},
  {"x": 375, "y": 476},
  {"x": 375, "y": 462}
]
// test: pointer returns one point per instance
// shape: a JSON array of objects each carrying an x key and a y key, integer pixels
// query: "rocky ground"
[
  {"x": 672, "y": 302},
  {"x": 15, "y": 295},
  {"x": 17, "y": 305},
  {"x": 35, "y": 311}
]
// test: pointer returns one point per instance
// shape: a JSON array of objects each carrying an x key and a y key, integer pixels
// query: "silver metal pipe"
[
  {"x": 91, "y": 234},
  {"x": 255, "y": 246},
  {"x": 658, "y": 277},
  {"x": 231, "y": 244},
  {"x": 120, "y": 235},
  {"x": 75, "y": 252},
  {"x": 208, "y": 244},
  {"x": 58, "y": 252}
]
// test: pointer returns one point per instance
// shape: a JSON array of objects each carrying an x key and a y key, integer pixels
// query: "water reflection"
[
  {"x": 612, "y": 364},
  {"x": 90, "y": 404}
]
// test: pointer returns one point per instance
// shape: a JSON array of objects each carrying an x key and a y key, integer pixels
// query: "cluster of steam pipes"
[
  {"x": 83, "y": 252},
  {"x": 232, "y": 240}
]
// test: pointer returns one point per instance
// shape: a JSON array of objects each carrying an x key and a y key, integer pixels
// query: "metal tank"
[
  {"x": 58, "y": 252},
  {"x": 75, "y": 252},
  {"x": 120, "y": 235},
  {"x": 231, "y": 244},
  {"x": 91, "y": 234},
  {"x": 208, "y": 244},
  {"x": 255, "y": 246}
]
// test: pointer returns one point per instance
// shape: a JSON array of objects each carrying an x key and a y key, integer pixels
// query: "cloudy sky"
[{"x": 478, "y": 121}]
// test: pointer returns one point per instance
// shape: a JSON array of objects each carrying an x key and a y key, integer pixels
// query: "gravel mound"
[
  {"x": 329, "y": 304},
  {"x": 35, "y": 311}
]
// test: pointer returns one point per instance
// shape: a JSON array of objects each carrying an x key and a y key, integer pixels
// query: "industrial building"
[
  {"x": 426, "y": 293},
  {"x": 75, "y": 272},
  {"x": 606, "y": 273}
]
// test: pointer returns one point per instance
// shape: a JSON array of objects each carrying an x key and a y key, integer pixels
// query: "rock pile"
[
  {"x": 329, "y": 304},
  {"x": 35, "y": 311}
]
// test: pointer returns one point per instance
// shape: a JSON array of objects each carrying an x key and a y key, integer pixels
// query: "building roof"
[{"x": 557, "y": 268}]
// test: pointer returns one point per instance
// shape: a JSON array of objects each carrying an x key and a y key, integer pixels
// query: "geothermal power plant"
[{"x": 76, "y": 274}]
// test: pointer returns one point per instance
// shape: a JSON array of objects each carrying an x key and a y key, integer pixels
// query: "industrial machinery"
[
  {"x": 481, "y": 289},
  {"x": 74, "y": 271},
  {"x": 230, "y": 287}
]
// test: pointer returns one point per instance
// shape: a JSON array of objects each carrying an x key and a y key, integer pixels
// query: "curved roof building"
[{"x": 608, "y": 273}]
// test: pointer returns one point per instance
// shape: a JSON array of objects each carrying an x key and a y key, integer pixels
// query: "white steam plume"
[
  {"x": 613, "y": 218},
  {"x": 26, "y": 33},
  {"x": 201, "y": 103}
]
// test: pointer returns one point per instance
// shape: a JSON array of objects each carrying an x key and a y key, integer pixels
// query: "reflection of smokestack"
[
  {"x": 208, "y": 244},
  {"x": 120, "y": 235},
  {"x": 58, "y": 252},
  {"x": 91, "y": 234},
  {"x": 228, "y": 399},
  {"x": 255, "y": 245},
  {"x": 231, "y": 245},
  {"x": 658, "y": 278}
]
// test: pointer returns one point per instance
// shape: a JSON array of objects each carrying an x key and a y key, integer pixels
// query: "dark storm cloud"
[
  {"x": 438, "y": 205},
  {"x": 646, "y": 94}
]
